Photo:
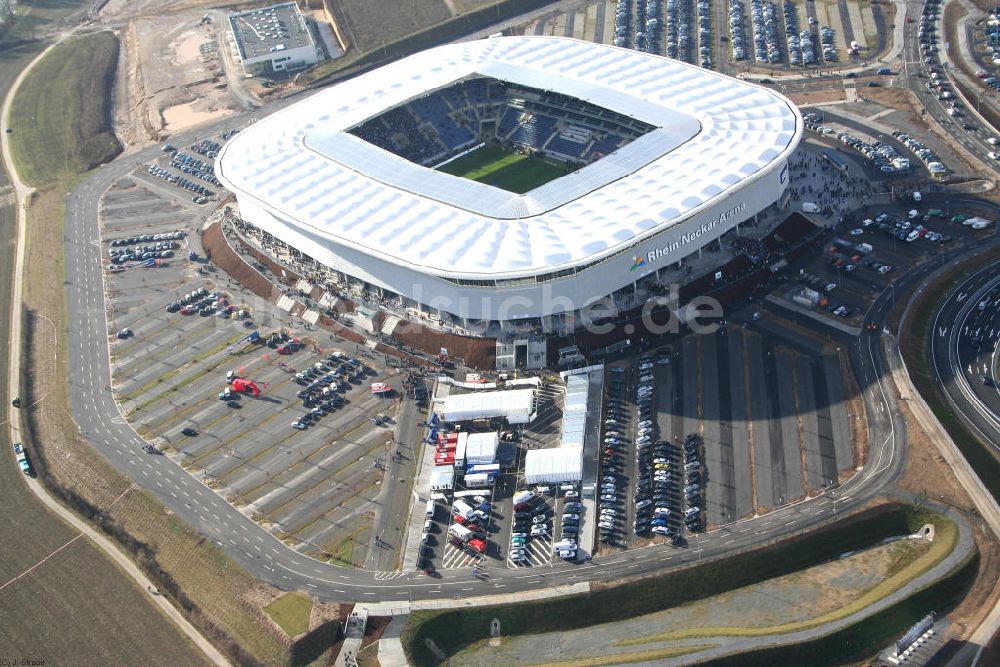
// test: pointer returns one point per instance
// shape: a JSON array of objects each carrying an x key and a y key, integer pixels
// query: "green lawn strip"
[
  {"x": 914, "y": 346},
  {"x": 621, "y": 658},
  {"x": 291, "y": 612},
  {"x": 343, "y": 551},
  {"x": 870, "y": 635},
  {"x": 61, "y": 116},
  {"x": 945, "y": 540},
  {"x": 453, "y": 630}
]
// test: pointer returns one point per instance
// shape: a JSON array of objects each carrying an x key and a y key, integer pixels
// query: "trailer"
[
  {"x": 460, "y": 448},
  {"x": 478, "y": 480},
  {"x": 477, "y": 492},
  {"x": 461, "y": 532},
  {"x": 462, "y": 508},
  {"x": 488, "y": 468}
]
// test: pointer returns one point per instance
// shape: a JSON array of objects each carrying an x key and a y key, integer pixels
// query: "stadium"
[{"x": 512, "y": 183}]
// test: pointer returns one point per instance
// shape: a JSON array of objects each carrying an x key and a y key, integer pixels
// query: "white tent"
[
  {"x": 573, "y": 429},
  {"x": 442, "y": 478},
  {"x": 481, "y": 448},
  {"x": 516, "y": 405},
  {"x": 564, "y": 464}
]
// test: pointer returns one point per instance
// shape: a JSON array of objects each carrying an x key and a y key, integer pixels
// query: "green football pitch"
[{"x": 507, "y": 170}]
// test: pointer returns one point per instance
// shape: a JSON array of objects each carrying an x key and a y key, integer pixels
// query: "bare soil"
[
  {"x": 927, "y": 474},
  {"x": 817, "y": 96},
  {"x": 166, "y": 83},
  {"x": 370, "y": 24}
]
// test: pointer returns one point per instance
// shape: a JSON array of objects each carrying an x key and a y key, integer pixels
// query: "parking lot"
[
  {"x": 282, "y": 422},
  {"x": 735, "y": 34},
  {"x": 510, "y": 526},
  {"x": 847, "y": 274},
  {"x": 717, "y": 428}
]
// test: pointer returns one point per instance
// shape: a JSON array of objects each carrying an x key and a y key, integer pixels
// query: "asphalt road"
[
  {"x": 265, "y": 557},
  {"x": 964, "y": 350},
  {"x": 913, "y": 63}
]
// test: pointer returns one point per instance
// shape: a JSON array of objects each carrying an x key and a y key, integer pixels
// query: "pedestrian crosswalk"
[
  {"x": 387, "y": 576},
  {"x": 458, "y": 557}
]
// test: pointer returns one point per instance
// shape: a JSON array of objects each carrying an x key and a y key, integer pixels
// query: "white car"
[
  {"x": 993, "y": 155},
  {"x": 567, "y": 554},
  {"x": 537, "y": 531},
  {"x": 643, "y": 503},
  {"x": 661, "y": 530},
  {"x": 606, "y": 524}
]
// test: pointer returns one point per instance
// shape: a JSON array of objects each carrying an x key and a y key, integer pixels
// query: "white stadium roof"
[{"x": 714, "y": 135}]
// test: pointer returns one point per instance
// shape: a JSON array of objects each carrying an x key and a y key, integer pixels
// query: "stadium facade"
[{"x": 661, "y": 159}]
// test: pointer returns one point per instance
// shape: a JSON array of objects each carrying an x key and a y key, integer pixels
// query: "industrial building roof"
[{"x": 260, "y": 32}]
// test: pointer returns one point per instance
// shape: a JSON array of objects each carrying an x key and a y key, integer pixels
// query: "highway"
[
  {"x": 100, "y": 421},
  {"x": 964, "y": 351}
]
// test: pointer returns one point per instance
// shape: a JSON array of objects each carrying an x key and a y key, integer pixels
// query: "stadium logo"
[{"x": 638, "y": 263}]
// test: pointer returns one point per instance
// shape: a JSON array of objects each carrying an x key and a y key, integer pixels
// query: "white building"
[
  {"x": 695, "y": 153},
  {"x": 273, "y": 39}
]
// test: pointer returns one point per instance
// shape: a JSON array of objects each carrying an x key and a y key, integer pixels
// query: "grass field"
[
  {"x": 35, "y": 18},
  {"x": 291, "y": 612},
  {"x": 944, "y": 543},
  {"x": 61, "y": 116},
  {"x": 856, "y": 644},
  {"x": 504, "y": 169}
]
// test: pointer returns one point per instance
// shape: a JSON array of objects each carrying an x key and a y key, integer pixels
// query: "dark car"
[{"x": 189, "y": 432}]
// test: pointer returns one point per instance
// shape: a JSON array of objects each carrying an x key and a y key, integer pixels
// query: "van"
[
  {"x": 884, "y": 71},
  {"x": 229, "y": 377},
  {"x": 567, "y": 487},
  {"x": 429, "y": 511},
  {"x": 564, "y": 544},
  {"x": 428, "y": 526}
]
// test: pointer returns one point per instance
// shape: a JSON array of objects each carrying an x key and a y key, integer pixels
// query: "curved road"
[
  {"x": 100, "y": 421},
  {"x": 965, "y": 348}
]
